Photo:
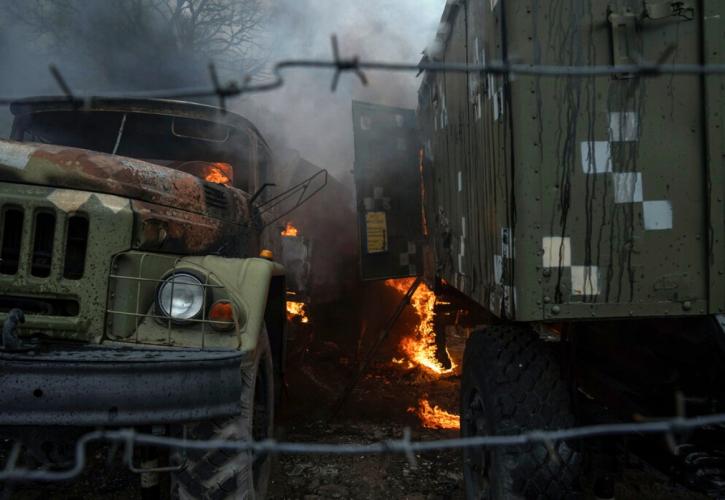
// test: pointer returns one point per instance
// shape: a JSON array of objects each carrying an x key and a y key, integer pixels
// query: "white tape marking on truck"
[
  {"x": 596, "y": 157},
  {"x": 498, "y": 269},
  {"x": 557, "y": 251},
  {"x": 624, "y": 126},
  {"x": 628, "y": 187},
  {"x": 585, "y": 281},
  {"x": 657, "y": 215},
  {"x": 15, "y": 155}
]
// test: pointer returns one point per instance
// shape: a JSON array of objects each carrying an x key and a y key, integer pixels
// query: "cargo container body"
[
  {"x": 562, "y": 198},
  {"x": 580, "y": 214}
]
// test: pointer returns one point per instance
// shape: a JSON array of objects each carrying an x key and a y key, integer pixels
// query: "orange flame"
[
  {"x": 420, "y": 347},
  {"x": 433, "y": 417},
  {"x": 297, "y": 310},
  {"x": 219, "y": 173},
  {"x": 290, "y": 231}
]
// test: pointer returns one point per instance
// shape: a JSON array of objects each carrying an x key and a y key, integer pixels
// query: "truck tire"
[
  {"x": 512, "y": 384},
  {"x": 227, "y": 474}
]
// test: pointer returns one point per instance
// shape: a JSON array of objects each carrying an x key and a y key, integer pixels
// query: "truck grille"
[
  {"x": 42, "y": 256},
  {"x": 55, "y": 246},
  {"x": 48, "y": 229},
  {"x": 76, "y": 245},
  {"x": 12, "y": 233}
]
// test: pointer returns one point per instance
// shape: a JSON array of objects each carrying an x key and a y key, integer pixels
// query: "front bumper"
[{"x": 117, "y": 386}]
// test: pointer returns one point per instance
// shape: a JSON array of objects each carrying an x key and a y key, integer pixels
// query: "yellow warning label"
[{"x": 377, "y": 231}]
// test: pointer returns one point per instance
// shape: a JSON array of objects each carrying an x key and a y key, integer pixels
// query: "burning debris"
[
  {"x": 420, "y": 348},
  {"x": 290, "y": 231},
  {"x": 296, "y": 311},
  {"x": 295, "y": 255},
  {"x": 219, "y": 173},
  {"x": 434, "y": 417}
]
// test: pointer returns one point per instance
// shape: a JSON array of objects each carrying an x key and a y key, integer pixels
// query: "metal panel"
[
  {"x": 713, "y": 19},
  {"x": 388, "y": 187},
  {"x": 582, "y": 197},
  {"x": 66, "y": 385}
]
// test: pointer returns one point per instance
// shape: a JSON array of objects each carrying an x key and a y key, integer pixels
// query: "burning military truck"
[
  {"x": 583, "y": 214},
  {"x": 131, "y": 291}
]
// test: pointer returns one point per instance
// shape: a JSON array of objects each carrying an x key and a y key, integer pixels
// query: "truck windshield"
[{"x": 170, "y": 141}]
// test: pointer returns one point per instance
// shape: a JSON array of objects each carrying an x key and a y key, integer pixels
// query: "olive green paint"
[
  {"x": 110, "y": 223},
  {"x": 136, "y": 276},
  {"x": 637, "y": 233}
]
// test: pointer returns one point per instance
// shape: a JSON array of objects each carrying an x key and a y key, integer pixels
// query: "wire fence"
[
  {"x": 129, "y": 439},
  {"x": 339, "y": 65}
]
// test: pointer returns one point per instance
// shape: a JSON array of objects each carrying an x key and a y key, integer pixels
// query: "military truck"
[
  {"x": 584, "y": 214},
  {"x": 132, "y": 293}
]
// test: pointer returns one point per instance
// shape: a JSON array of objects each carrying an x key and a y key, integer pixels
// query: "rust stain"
[
  {"x": 88, "y": 170},
  {"x": 170, "y": 230}
]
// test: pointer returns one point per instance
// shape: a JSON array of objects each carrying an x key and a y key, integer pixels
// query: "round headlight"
[{"x": 181, "y": 297}]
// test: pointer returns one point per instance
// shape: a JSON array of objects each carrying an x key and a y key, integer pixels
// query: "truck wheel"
[
  {"x": 512, "y": 384},
  {"x": 227, "y": 474}
]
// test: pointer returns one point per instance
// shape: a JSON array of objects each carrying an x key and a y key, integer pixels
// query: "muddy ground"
[
  {"x": 379, "y": 409},
  {"x": 323, "y": 357}
]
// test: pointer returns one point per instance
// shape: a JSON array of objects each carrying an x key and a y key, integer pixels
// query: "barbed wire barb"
[
  {"x": 64, "y": 87},
  {"x": 407, "y": 448},
  {"x": 217, "y": 87},
  {"x": 344, "y": 65}
]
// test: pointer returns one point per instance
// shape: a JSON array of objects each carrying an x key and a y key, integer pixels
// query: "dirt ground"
[{"x": 379, "y": 409}]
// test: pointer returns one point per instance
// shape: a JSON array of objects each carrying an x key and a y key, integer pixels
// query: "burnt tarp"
[{"x": 387, "y": 181}]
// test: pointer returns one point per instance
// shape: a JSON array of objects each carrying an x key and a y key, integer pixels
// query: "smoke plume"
[
  {"x": 304, "y": 114},
  {"x": 117, "y": 45}
]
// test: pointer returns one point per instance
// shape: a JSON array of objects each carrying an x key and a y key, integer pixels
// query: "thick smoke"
[
  {"x": 116, "y": 45},
  {"x": 304, "y": 114}
]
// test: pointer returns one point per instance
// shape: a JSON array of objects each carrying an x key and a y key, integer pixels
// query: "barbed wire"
[
  {"x": 358, "y": 67},
  {"x": 130, "y": 438},
  {"x": 405, "y": 446}
]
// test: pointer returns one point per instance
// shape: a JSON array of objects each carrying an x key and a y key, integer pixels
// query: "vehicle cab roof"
[{"x": 163, "y": 107}]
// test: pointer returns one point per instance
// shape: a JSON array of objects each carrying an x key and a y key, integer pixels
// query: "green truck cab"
[{"x": 131, "y": 291}]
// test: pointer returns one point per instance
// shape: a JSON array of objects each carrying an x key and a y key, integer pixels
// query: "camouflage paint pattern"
[
  {"x": 85, "y": 170},
  {"x": 110, "y": 229},
  {"x": 130, "y": 205}
]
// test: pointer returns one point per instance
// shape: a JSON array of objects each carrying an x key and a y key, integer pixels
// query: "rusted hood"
[{"x": 74, "y": 168}]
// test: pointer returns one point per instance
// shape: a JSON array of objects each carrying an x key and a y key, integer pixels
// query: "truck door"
[{"x": 388, "y": 188}]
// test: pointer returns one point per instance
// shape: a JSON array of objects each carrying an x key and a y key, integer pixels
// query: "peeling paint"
[
  {"x": 15, "y": 155},
  {"x": 68, "y": 201}
]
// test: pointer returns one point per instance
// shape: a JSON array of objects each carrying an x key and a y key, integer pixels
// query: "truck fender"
[{"x": 257, "y": 285}]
